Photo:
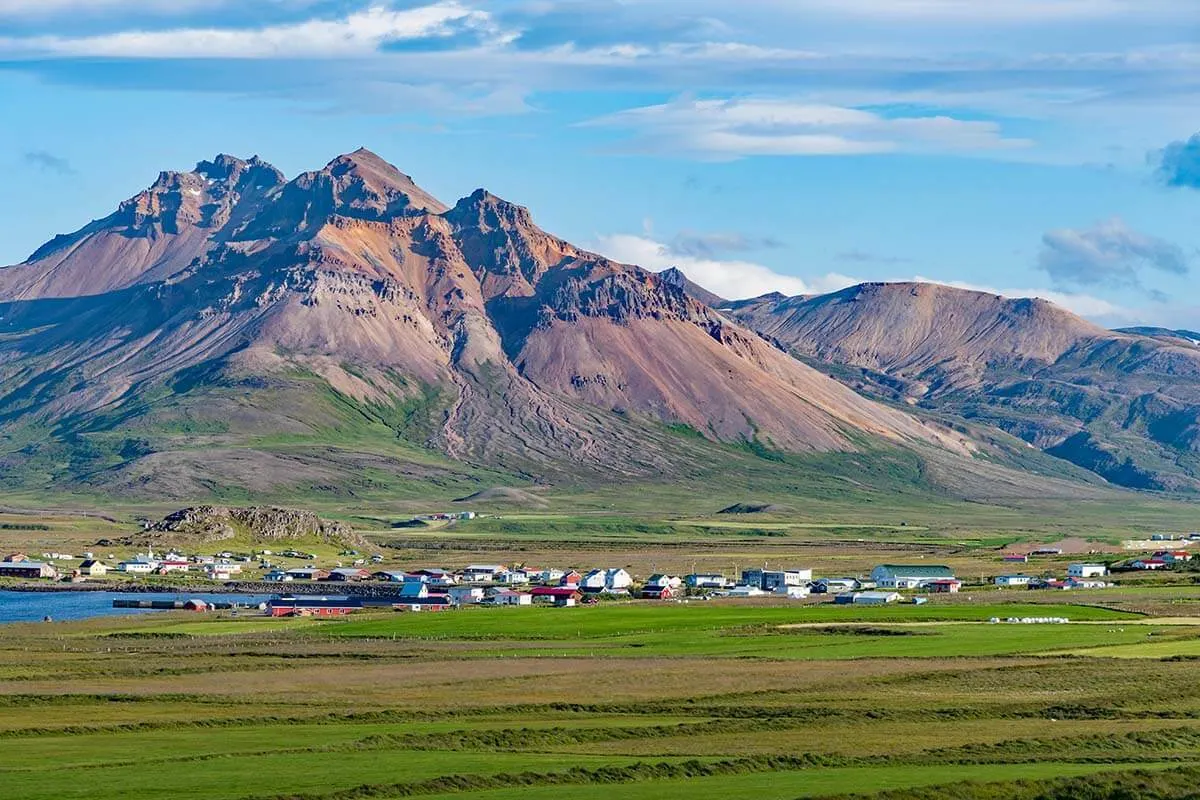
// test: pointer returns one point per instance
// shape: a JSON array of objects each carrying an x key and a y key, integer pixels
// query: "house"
[
  {"x": 836, "y": 585},
  {"x": 483, "y": 573},
  {"x": 414, "y": 590},
  {"x": 465, "y": 595},
  {"x": 547, "y": 577},
  {"x": 13, "y": 558},
  {"x": 220, "y": 572},
  {"x": 909, "y": 576},
  {"x": 278, "y": 576},
  {"x": 699, "y": 580},
  {"x": 308, "y": 574},
  {"x": 570, "y": 578},
  {"x": 771, "y": 580},
  {"x": 168, "y": 565},
  {"x": 665, "y": 581},
  {"x": 93, "y": 568},
  {"x": 141, "y": 565},
  {"x": 312, "y": 606},
  {"x": 344, "y": 574},
  {"x": 1016, "y": 558},
  {"x": 27, "y": 569},
  {"x": 1012, "y": 580},
  {"x": 613, "y": 581},
  {"x": 561, "y": 596},
  {"x": 653, "y": 592},
  {"x": 1082, "y": 583},
  {"x": 1087, "y": 571},
  {"x": 867, "y": 598},
  {"x": 1171, "y": 556},
  {"x": 943, "y": 586},
  {"x": 507, "y": 597},
  {"x": 436, "y": 577},
  {"x": 389, "y": 576},
  {"x": 195, "y": 604},
  {"x": 513, "y": 577},
  {"x": 1149, "y": 564}
]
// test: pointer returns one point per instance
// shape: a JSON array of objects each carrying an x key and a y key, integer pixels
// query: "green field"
[{"x": 705, "y": 699}]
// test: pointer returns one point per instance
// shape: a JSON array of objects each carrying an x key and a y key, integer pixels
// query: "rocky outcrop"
[{"x": 260, "y": 523}]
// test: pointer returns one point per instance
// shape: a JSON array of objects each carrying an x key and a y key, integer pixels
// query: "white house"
[
  {"x": 141, "y": 565},
  {"x": 660, "y": 581},
  {"x": 1087, "y": 571},
  {"x": 909, "y": 576},
  {"x": 465, "y": 595},
  {"x": 483, "y": 573},
  {"x": 507, "y": 597},
  {"x": 705, "y": 581},
  {"x": 278, "y": 576},
  {"x": 548, "y": 577},
  {"x": 1012, "y": 580}
]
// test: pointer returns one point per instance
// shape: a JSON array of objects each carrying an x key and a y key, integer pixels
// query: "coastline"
[{"x": 341, "y": 589}]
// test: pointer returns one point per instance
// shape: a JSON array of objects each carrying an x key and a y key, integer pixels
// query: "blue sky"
[{"x": 1033, "y": 147}]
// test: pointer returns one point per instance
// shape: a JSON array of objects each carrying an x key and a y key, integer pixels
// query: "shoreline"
[{"x": 233, "y": 587}]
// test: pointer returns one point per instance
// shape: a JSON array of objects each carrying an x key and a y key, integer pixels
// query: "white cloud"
[
  {"x": 763, "y": 127},
  {"x": 362, "y": 33},
  {"x": 734, "y": 279}
]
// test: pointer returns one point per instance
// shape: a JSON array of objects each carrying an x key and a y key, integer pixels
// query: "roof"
[
  {"x": 21, "y": 564},
  {"x": 553, "y": 591},
  {"x": 919, "y": 570}
]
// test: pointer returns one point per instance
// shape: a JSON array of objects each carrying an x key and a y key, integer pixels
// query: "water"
[{"x": 35, "y": 606}]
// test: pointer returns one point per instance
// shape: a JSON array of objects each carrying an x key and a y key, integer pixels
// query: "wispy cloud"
[
  {"x": 48, "y": 162},
  {"x": 362, "y": 33},
  {"x": 1109, "y": 253},
  {"x": 738, "y": 128}
]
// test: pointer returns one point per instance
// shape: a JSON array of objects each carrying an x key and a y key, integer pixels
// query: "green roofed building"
[{"x": 909, "y": 576}]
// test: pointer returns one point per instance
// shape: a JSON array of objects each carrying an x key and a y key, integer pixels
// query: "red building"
[{"x": 312, "y": 606}]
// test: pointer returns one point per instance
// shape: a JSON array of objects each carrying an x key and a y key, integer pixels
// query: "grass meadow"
[{"x": 705, "y": 700}]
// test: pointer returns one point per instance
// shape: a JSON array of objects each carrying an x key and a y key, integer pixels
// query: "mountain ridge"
[
  {"x": 246, "y": 306},
  {"x": 1119, "y": 403}
]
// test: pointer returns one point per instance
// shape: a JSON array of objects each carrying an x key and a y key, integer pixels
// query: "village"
[{"x": 360, "y": 581}]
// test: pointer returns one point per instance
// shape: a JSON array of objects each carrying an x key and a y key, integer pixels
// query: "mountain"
[
  {"x": 1123, "y": 404},
  {"x": 231, "y": 332}
]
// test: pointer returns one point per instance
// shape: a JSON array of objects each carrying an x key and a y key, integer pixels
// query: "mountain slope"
[
  {"x": 244, "y": 312},
  {"x": 1124, "y": 405}
]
